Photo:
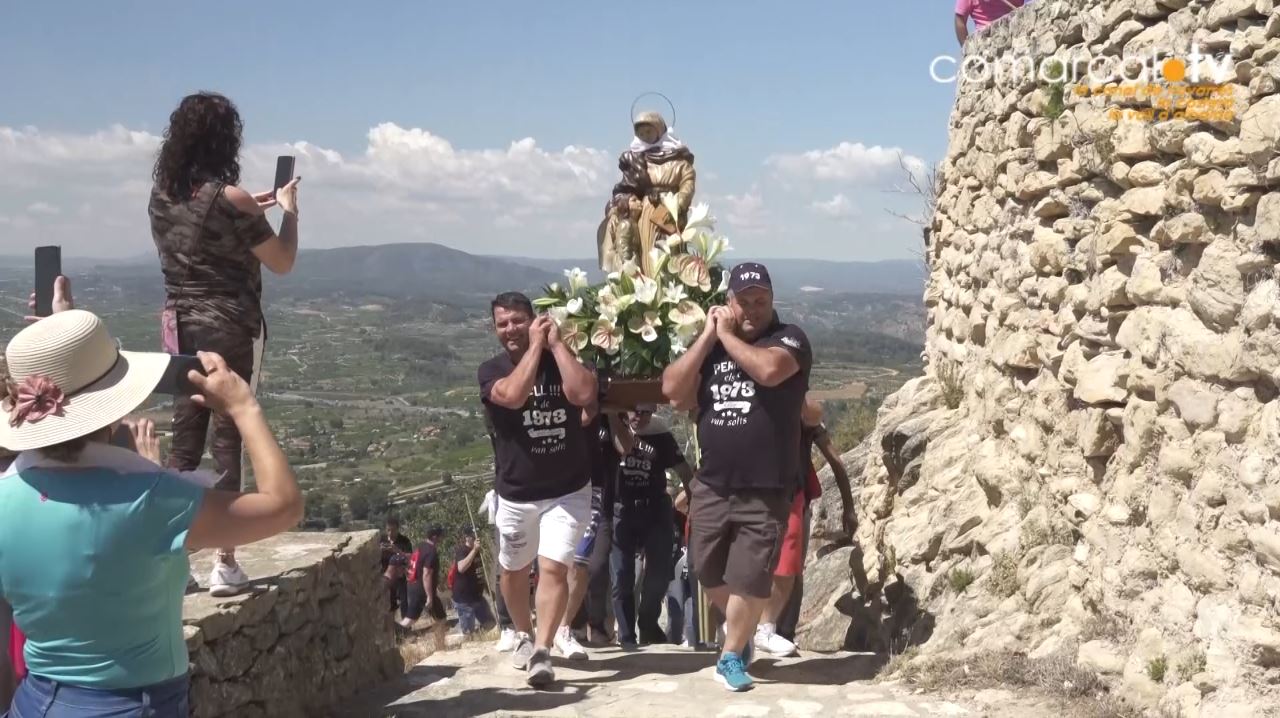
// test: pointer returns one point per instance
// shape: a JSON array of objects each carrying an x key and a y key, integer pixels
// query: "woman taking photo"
[
  {"x": 213, "y": 239},
  {"x": 94, "y": 538}
]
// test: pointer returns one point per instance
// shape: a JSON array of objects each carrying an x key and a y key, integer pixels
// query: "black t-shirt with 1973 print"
[
  {"x": 749, "y": 433},
  {"x": 541, "y": 449},
  {"x": 642, "y": 476}
]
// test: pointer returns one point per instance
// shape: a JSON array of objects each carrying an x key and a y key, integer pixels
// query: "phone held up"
[
  {"x": 175, "y": 381},
  {"x": 48, "y": 269},
  {"x": 284, "y": 172}
]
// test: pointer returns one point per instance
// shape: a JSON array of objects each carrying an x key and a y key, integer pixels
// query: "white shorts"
[{"x": 549, "y": 528}]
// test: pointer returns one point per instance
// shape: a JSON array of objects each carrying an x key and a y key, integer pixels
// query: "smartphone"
[
  {"x": 48, "y": 269},
  {"x": 123, "y": 438},
  {"x": 284, "y": 172},
  {"x": 175, "y": 381}
]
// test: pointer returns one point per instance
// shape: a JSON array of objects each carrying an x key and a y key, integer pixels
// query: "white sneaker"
[
  {"x": 523, "y": 651},
  {"x": 227, "y": 580},
  {"x": 506, "y": 641},
  {"x": 568, "y": 645},
  {"x": 768, "y": 640}
]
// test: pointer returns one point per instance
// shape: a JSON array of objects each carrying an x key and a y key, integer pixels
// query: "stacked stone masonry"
[
  {"x": 311, "y": 633},
  {"x": 1097, "y": 435}
]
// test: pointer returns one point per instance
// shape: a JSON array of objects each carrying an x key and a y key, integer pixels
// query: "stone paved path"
[{"x": 666, "y": 682}]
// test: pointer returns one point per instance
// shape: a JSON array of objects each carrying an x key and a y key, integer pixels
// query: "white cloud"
[
  {"x": 838, "y": 207},
  {"x": 88, "y": 192},
  {"x": 745, "y": 213},
  {"x": 851, "y": 162},
  {"x": 407, "y": 182}
]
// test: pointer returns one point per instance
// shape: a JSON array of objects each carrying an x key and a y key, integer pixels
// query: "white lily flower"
[
  {"x": 672, "y": 203},
  {"x": 686, "y": 313},
  {"x": 658, "y": 258},
  {"x": 606, "y": 335},
  {"x": 554, "y": 288},
  {"x": 615, "y": 277},
  {"x": 631, "y": 269},
  {"x": 717, "y": 247},
  {"x": 605, "y": 297},
  {"x": 673, "y": 293},
  {"x": 700, "y": 217},
  {"x": 646, "y": 290},
  {"x": 559, "y": 315},
  {"x": 577, "y": 279},
  {"x": 724, "y": 282},
  {"x": 645, "y": 325},
  {"x": 574, "y": 306}
]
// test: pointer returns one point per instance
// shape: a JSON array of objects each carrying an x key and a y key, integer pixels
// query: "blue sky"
[{"x": 766, "y": 93}]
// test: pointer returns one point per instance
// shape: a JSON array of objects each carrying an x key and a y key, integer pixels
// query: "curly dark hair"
[{"x": 201, "y": 144}]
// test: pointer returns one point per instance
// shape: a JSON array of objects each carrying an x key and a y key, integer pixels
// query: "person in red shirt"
[{"x": 772, "y": 636}]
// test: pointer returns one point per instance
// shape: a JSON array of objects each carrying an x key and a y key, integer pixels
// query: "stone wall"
[
  {"x": 1096, "y": 442},
  {"x": 313, "y": 631}
]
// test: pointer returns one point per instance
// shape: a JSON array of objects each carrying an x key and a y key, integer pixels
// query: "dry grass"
[
  {"x": 1002, "y": 579},
  {"x": 417, "y": 646},
  {"x": 1107, "y": 626},
  {"x": 951, "y": 381},
  {"x": 1056, "y": 675},
  {"x": 1156, "y": 669},
  {"x": 1191, "y": 664}
]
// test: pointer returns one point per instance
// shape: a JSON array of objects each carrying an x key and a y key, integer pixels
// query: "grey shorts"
[{"x": 735, "y": 537}]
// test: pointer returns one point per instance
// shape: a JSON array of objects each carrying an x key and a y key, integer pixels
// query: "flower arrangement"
[{"x": 633, "y": 324}]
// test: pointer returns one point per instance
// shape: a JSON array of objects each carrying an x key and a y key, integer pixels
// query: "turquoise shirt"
[{"x": 94, "y": 563}]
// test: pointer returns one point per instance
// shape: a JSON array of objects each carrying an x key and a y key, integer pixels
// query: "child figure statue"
[{"x": 635, "y": 217}]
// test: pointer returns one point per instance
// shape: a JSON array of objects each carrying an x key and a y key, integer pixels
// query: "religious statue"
[{"x": 636, "y": 218}]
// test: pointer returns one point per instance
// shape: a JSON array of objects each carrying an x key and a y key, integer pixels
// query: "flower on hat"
[{"x": 35, "y": 398}]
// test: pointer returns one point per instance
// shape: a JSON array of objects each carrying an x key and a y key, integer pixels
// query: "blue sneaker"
[{"x": 732, "y": 674}]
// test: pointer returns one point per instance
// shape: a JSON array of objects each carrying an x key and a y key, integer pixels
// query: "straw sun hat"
[{"x": 70, "y": 379}]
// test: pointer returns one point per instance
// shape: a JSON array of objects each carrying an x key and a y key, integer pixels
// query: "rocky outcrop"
[
  {"x": 1090, "y": 464},
  {"x": 311, "y": 633}
]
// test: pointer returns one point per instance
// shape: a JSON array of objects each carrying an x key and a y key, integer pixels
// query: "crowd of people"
[
  {"x": 568, "y": 476},
  {"x": 583, "y": 504}
]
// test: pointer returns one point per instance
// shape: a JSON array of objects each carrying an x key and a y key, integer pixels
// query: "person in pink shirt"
[{"x": 983, "y": 12}]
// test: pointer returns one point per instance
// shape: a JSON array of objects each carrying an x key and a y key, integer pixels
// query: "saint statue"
[{"x": 636, "y": 217}]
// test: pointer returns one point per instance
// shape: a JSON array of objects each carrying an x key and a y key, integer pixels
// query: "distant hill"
[
  {"x": 421, "y": 270},
  {"x": 790, "y": 276},
  {"x": 438, "y": 272}
]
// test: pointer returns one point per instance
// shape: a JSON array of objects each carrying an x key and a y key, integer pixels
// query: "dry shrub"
[
  {"x": 415, "y": 648},
  {"x": 1056, "y": 675}
]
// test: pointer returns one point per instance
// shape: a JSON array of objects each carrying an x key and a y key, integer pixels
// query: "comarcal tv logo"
[{"x": 1156, "y": 85}]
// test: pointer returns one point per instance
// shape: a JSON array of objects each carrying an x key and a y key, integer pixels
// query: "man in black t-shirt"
[
  {"x": 395, "y": 543},
  {"x": 642, "y": 521},
  {"x": 424, "y": 587},
  {"x": 534, "y": 393},
  {"x": 747, "y": 375},
  {"x": 468, "y": 585}
]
